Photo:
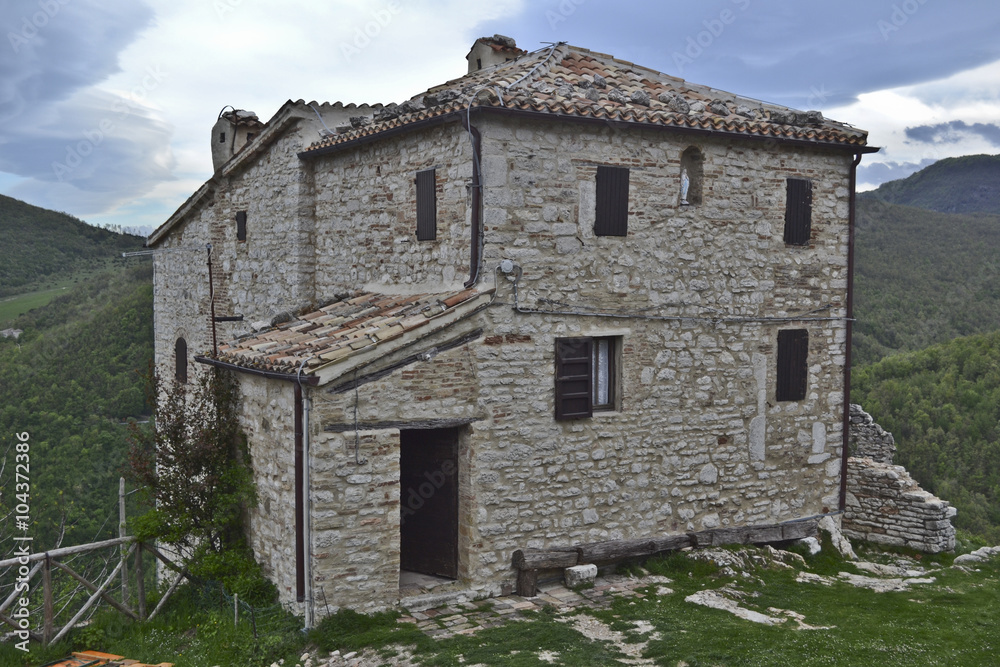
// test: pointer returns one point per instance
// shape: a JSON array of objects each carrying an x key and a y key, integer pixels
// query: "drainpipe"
[
  {"x": 307, "y": 523},
  {"x": 850, "y": 330},
  {"x": 477, "y": 202}
]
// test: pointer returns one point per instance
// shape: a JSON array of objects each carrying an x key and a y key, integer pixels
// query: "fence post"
[
  {"x": 46, "y": 601},
  {"x": 121, "y": 533},
  {"x": 140, "y": 583}
]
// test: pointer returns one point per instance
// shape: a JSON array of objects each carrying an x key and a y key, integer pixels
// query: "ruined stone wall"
[
  {"x": 884, "y": 504},
  {"x": 869, "y": 440}
]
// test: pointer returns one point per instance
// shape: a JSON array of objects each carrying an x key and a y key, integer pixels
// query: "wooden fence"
[{"x": 46, "y": 563}]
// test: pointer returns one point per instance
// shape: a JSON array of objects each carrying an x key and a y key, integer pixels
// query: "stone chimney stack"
[
  {"x": 490, "y": 51},
  {"x": 231, "y": 132}
]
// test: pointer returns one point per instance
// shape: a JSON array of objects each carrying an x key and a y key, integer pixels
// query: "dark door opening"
[{"x": 428, "y": 501}]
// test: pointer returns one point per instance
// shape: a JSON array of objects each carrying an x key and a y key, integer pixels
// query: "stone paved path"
[{"x": 467, "y": 617}]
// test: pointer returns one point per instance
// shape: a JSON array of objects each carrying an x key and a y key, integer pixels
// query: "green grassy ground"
[
  {"x": 12, "y": 306},
  {"x": 949, "y": 621}
]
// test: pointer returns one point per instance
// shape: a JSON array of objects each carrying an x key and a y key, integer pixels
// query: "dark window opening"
[
  {"x": 426, "y": 205},
  {"x": 250, "y": 136},
  {"x": 691, "y": 177},
  {"x": 222, "y": 137},
  {"x": 798, "y": 211},
  {"x": 793, "y": 364},
  {"x": 611, "y": 217},
  {"x": 241, "y": 226},
  {"x": 181, "y": 361},
  {"x": 479, "y": 63},
  {"x": 586, "y": 376}
]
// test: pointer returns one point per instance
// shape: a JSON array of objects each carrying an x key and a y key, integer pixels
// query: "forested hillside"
[
  {"x": 969, "y": 184},
  {"x": 943, "y": 406},
  {"x": 41, "y": 246},
  {"x": 922, "y": 278},
  {"x": 69, "y": 381}
]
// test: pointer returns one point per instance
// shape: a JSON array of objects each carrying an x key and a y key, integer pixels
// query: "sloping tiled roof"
[
  {"x": 335, "y": 333},
  {"x": 570, "y": 81}
]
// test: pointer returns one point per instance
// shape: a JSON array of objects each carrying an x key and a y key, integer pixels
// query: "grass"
[
  {"x": 948, "y": 622},
  {"x": 12, "y": 306}
]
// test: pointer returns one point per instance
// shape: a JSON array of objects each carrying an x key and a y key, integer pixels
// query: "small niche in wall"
[{"x": 691, "y": 176}]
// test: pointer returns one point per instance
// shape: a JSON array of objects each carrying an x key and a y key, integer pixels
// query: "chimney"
[
  {"x": 232, "y": 131},
  {"x": 491, "y": 51}
]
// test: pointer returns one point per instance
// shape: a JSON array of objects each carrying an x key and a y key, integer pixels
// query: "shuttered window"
[
  {"x": 586, "y": 376},
  {"x": 612, "y": 202},
  {"x": 241, "y": 225},
  {"x": 426, "y": 205},
  {"x": 798, "y": 211},
  {"x": 574, "y": 378},
  {"x": 793, "y": 364},
  {"x": 181, "y": 361}
]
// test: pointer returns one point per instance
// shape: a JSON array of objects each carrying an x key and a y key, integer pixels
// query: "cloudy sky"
[{"x": 106, "y": 105}]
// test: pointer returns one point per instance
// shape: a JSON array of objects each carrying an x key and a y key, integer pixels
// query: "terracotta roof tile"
[
  {"x": 556, "y": 81},
  {"x": 338, "y": 330}
]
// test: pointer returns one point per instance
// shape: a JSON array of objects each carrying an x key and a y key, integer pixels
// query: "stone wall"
[
  {"x": 268, "y": 420},
  {"x": 884, "y": 504},
  {"x": 869, "y": 440},
  {"x": 355, "y": 525}
]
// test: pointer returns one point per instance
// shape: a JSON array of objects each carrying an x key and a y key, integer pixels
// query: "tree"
[{"x": 194, "y": 463}]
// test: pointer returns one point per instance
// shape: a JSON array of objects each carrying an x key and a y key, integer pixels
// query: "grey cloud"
[
  {"x": 52, "y": 48},
  {"x": 95, "y": 143},
  {"x": 803, "y": 54},
  {"x": 88, "y": 147},
  {"x": 953, "y": 132},
  {"x": 881, "y": 172}
]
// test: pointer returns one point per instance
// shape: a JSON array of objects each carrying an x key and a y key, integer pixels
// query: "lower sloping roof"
[{"x": 322, "y": 345}]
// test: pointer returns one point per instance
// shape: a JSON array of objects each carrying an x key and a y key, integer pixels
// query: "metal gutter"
[
  {"x": 846, "y": 427},
  {"x": 288, "y": 377},
  {"x": 477, "y": 202}
]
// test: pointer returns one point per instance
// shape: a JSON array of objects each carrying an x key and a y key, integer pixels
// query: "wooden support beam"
[
  {"x": 166, "y": 596},
  {"x": 4, "y": 618},
  {"x": 88, "y": 604},
  {"x": 140, "y": 584},
  {"x": 615, "y": 550},
  {"x": 67, "y": 551},
  {"x": 527, "y": 583},
  {"x": 93, "y": 589},
  {"x": 46, "y": 601},
  {"x": 545, "y": 560},
  {"x": 16, "y": 593}
]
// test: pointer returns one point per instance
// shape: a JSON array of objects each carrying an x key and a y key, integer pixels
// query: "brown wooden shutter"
[
  {"x": 426, "y": 205},
  {"x": 793, "y": 364},
  {"x": 573, "y": 378},
  {"x": 612, "y": 202},
  {"x": 241, "y": 225},
  {"x": 798, "y": 211}
]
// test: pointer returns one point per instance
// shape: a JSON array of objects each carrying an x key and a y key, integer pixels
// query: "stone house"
[{"x": 562, "y": 299}]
